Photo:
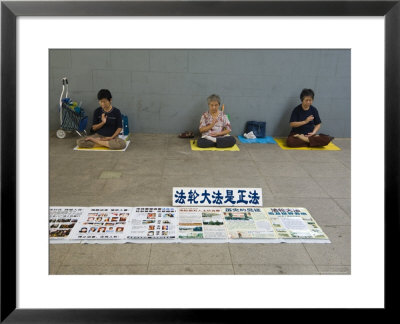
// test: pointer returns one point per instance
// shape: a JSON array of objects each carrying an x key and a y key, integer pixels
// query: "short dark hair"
[
  {"x": 306, "y": 93},
  {"x": 104, "y": 94}
]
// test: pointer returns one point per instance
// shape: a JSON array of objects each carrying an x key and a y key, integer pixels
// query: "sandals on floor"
[{"x": 186, "y": 134}]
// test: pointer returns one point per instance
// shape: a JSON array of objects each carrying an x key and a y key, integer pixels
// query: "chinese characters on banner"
[{"x": 242, "y": 197}]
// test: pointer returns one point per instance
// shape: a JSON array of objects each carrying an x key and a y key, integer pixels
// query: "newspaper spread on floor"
[{"x": 183, "y": 225}]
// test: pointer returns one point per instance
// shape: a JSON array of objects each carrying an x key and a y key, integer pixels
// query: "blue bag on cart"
[{"x": 72, "y": 115}]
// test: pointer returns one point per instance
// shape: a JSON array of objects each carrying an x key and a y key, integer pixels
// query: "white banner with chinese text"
[{"x": 190, "y": 196}]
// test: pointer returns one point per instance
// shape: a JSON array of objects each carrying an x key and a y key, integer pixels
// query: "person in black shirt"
[
  {"x": 107, "y": 124},
  {"x": 305, "y": 123}
]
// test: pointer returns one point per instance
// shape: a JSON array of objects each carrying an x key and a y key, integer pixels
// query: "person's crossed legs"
[
  {"x": 225, "y": 141},
  {"x": 114, "y": 144},
  {"x": 300, "y": 140},
  {"x": 219, "y": 142},
  {"x": 294, "y": 140}
]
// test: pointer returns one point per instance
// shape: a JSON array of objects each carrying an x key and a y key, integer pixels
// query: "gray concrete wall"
[{"x": 165, "y": 91}]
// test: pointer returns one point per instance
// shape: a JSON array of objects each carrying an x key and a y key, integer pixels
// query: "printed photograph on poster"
[
  {"x": 201, "y": 223},
  {"x": 247, "y": 223},
  {"x": 104, "y": 223},
  {"x": 62, "y": 221},
  {"x": 152, "y": 222}
]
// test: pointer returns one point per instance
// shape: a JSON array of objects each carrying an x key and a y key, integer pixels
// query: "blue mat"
[{"x": 264, "y": 140}]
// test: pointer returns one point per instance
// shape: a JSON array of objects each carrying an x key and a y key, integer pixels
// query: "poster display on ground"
[
  {"x": 62, "y": 221},
  {"x": 102, "y": 223},
  {"x": 294, "y": 223},
  {"x": 184, "y": 224},
  {"x": 201, "y": 223},
  {"x": 247, "y": 223},
  {"x": 152, "y": 222}
]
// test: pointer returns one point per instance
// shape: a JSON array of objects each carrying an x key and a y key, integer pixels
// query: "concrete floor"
[{"x": 154, "y": 163}]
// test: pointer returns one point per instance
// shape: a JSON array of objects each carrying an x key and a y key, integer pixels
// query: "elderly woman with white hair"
[{"x": 215, "y": 126}]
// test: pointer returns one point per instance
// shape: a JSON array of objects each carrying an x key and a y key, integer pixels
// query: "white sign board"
[{"x": 191, "y": 196}]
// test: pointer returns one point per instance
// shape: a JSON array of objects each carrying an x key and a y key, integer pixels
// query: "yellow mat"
[
  {"x": 101, "y": 148},
  {"x": 194, "y": 147},
  {"x": 282, "y": 143}
]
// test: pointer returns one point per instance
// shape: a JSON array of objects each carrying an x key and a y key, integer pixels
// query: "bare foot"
[{"x": 303, "y": 138}]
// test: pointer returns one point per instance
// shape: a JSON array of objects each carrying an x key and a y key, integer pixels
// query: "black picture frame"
[{"x": 11, "y": 10}]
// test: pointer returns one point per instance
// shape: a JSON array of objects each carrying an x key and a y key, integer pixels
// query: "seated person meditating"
[
  {"x": 305, "y": 123},
  {"x": 215, "y": 126},
  {"x": 107, "y": 124}
]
